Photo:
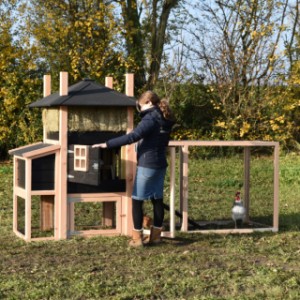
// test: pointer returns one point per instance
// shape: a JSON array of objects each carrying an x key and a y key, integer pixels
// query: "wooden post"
[
  {"x": 109, "y": 82},
  {"x": 47, "y": 212},
  {"x": 130, "y": 157},
  {"x": 15, "y": 197},
  {"x": 63, "y": 83},
  {"x": 63, "y": 139},
  {"x": 129, "y": 85},
  {"x": 172, "y": 191},
  {"x": 28, "y": 168},
  {"x": 127, "y": 224},
  {"x": 184, "y": 226},
  {"x": 276, "y": 188},
  {"x": 247, "y": 182},
  {"x": 62, "y": 192},
  {"x": 47, "y": 85},
  {"x": 108, "y": 207}
]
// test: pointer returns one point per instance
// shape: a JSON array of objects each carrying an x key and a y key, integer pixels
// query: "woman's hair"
[{"x": 163, "y": 104}]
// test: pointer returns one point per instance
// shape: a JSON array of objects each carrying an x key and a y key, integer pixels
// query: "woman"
[{"x": 152, "y": 135}]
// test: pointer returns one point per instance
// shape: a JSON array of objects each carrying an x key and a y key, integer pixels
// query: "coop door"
[{"x": 83, "y": 164}]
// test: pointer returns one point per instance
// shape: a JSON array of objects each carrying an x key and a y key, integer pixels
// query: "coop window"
[
  {"x": 81, "y": 158},
  {"x": 51, "y": 123},
  {"x": 21, "y": 173}
]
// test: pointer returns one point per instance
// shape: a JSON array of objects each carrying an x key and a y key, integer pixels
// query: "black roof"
[{"x": 86, "y": 93}]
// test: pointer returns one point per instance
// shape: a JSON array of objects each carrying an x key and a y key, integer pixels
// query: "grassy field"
[{"x": 191, "y": 266}]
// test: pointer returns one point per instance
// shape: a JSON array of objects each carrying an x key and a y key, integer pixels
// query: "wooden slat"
[
  {"x": 223, "y": 143},
  {"x": 62, "y": 190},
  {"x": 276, "y": 189},
  {"x": 129, "y": 85},
  {"x": 109, "y": 82},
  {"x": 63, "y": 83},
  {"x": 184, "y": 226},
  {"x": 247, "y": 182},
  {"x": 15, "y": 197},
  {"x": 172, "y": 191},
  {"x": 28, "y": 200},
  {"x": 47, "y": 85}
]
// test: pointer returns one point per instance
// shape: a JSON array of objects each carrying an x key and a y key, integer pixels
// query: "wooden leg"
[
  {"x": 108, "y": 217},
  {"x": 47, "y": 212}
]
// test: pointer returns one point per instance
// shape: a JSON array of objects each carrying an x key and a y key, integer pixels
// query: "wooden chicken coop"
[{"x": 62, "y": 178}]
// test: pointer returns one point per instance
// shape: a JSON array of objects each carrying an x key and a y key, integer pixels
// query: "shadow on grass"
[{"x": 289, "y": 222}]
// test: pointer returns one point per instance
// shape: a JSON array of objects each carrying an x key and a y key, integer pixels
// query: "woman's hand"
[{"x": 102, "y": 145}]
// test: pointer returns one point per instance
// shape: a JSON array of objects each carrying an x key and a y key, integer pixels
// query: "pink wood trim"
[
  {"x": 172, "y": 191},
  {"x": 41, "y": 152},
  {"x": 43, "y": 193},
  {"x": 28, "y": 176},
  {"x": 48, "y": 141},
  {"x": 62, "y": 190},
  {"x": 129, "y": 85},
  {"x": 63, "y": 83},
  {"x": 184, "y": 226},
  {"x": 94, "y": 197},
  {"x": 247, "y": 181},
  {"x": 39, "y": 239},
  {"x": 56, "y": 195},
  {"x": 180, "y": 179},
  {"x": 231, "y": 231},
  {"x": 20, "y": 192},
  {"x": 109, "y": 82},
  {"x": 23, "y": 147},
  {"x": 167, "y": 234},
  {"x": 130, "y": 169},
  {"x": 19, "y": 234},
  {"x": 223, "y": 143},
  {"x": 87, "y": 233},
  {"x": 276, "y": 188},
  {"x": 15, "y": 197},
  {"x": 47, "y": 85}
]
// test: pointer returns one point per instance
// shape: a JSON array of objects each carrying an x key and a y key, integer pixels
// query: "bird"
[{"x": 238, "y": 210}]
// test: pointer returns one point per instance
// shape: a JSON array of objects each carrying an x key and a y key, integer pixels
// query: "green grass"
[{"x": 191, "y": 266}]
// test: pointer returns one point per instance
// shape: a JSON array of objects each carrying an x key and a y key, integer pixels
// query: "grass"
[{"x": 191, "y": 266}]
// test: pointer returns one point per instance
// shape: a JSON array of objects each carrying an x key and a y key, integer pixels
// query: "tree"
[
  {"x": 101, "y": 37},
  {"x": 76, "y": 36},
  {"x": 237, "y": 44},
  {"x": 19, "y": 86}
]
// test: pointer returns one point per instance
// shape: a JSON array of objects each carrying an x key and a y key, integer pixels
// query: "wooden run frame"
[{"x": 184, "y": 150}]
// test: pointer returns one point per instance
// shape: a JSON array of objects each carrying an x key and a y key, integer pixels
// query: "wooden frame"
[
  {"x": 105, "y": 198},
  {"x": 183, "y": 147},
  {"x": 26, "y": 193}
]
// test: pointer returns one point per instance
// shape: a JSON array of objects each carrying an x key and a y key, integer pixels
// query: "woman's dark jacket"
[{"x": 152, "y": 135}]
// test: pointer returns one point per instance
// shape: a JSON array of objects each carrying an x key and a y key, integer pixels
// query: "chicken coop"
[{"x": 64, "y": 187}]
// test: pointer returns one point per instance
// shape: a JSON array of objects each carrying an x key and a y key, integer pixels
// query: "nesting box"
[{"x": 62, "y": 178}]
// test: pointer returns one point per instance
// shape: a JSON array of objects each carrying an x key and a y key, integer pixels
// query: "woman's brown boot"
[
  {"x": 137, "y": 238},
  {"x": 155, "y": 235}
]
